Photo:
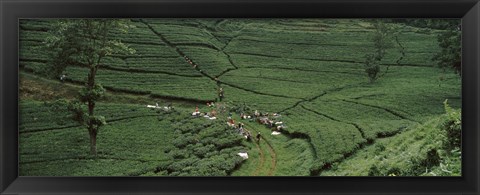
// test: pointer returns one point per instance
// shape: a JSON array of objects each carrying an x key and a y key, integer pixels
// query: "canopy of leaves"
[
  {"x": 449, "y": 41},
  {"x": 382, "y": 40},
  {"x": 84, "y": 42}
]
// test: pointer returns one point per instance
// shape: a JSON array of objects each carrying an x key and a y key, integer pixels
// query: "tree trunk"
[
  {"x": 91, "y": 106},
  {"x": 93, "y": 143},
  {"x": 91, "y": 129}
]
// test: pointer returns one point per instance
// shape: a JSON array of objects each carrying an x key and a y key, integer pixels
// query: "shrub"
[
  {"x": 432, "y": 159},
  {"x": 178, "y": 154},
  {"x": 183, "y": 141},
  {"x": 374, "y": 171},
  {"x": 201, "y": 150},
  {"x": 394, "y": 171},
  {"x": 379, "y": 148},
  {"x": 452, "y": 127},
  {"x": 449, "y": 165}
]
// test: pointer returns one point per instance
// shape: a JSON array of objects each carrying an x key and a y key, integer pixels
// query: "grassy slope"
[{"x": 393, "y": 153}]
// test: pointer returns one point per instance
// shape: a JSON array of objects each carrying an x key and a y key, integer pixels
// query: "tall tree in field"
[
  {"x": 383, "y": 37},
  {"x": 86, "y": 42},
  {"x": 449, "y": 40}
]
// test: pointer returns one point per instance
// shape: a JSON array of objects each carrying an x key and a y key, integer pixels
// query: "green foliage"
[
  {"x": 204, "y": 149},
  {"x": 382, "y": 40},
  {"x": 93, "y": 94},
  {"x": 405, "y": 155},
  {"x": 452, "y": 127},
  {"x": 450, "y": 165},
  {"x": 449, "y": 40},
  {"x": 379, "y": 148},
  {"x": 84, "y": 42},
  {"x": 440, "y": 24},
  {"x": 79, "y": 111},
  {"x": 372, "y": 68},
  {"x": 373, "y": 171},
  {"x": 97, "y": 121}
]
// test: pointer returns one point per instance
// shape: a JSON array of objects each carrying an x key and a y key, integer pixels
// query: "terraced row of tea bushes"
[
  {"x": 257, "y": 100},
  {"x": 34, "y": 25},
  {"x": 373, "y": 122},
  {"x": 313, "y": 25},
  {"x": 332, "y": 140},
  {"x": 306, "y": 64},
  {"x": 180, "y": 31},
  {"x": 331, "y": 45},
  {"x": 152, "y": 54},
  {"x": 127, "y": 147},
  {"x": 33, "y": 54},
  {"x": 175, "y": 65},
  {"x": 414, "y": 99},
  {"x": 33, "y": 51},
  {"x": 136, "y": 139},
  {"x": 160, "y": 84},
  {"x": 202, "y": 147},
  {"x": 280, "y": 82},
  {"x": 152, "y": 50},
  {"x": 198, "y": 43},
  {"x": 138, "y": 34},
  {"x": 35, "y": 116},
  {"x": 208, "y": 60},
  {"x": 39, "y": 116}
]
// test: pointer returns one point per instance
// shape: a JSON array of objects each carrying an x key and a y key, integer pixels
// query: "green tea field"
[{"x": 298, "y": 84}]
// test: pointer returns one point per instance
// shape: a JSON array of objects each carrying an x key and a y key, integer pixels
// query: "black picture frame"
[{"x": 11, "y": 11}]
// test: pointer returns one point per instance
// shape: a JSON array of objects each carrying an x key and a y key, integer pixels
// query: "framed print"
[{"x": 225, "y": 97}]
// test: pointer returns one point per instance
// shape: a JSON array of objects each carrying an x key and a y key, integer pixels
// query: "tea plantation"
[{"x": 310, "y": 72}]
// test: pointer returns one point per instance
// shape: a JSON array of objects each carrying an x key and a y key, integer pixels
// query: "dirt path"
[
  {"x": 274, "y": 159},
  {"x": 262, "y": 167},
  {"x": 261, "y": 162}
]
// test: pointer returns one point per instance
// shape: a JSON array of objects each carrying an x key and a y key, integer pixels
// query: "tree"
[
  {"x": 85, "y": 43},
  {"x": 383, "y": 37},
  {"x": 449, "y": 40},
  {"x": 380, "y": 44}
]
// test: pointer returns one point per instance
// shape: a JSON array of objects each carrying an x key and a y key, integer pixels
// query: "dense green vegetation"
[
  {"x": 309, "y": 71},
  {"x": 429, "y": 149}
]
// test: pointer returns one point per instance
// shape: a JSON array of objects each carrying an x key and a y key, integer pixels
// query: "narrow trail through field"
[
  {"x": 272, "y": 169},
  {"x": 261, "y": 160},
  {"x": 266, "y": 162},
  {"x": 263, "y": 168}
]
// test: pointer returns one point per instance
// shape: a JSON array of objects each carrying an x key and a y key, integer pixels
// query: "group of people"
[
  {"x": 240, "y": 128},
  {"x": 269, "y": 120},
  {"x": 212, "y": 115},
  {"x": 190, "y": 61},
  {"x": 210, "y": 104}
]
